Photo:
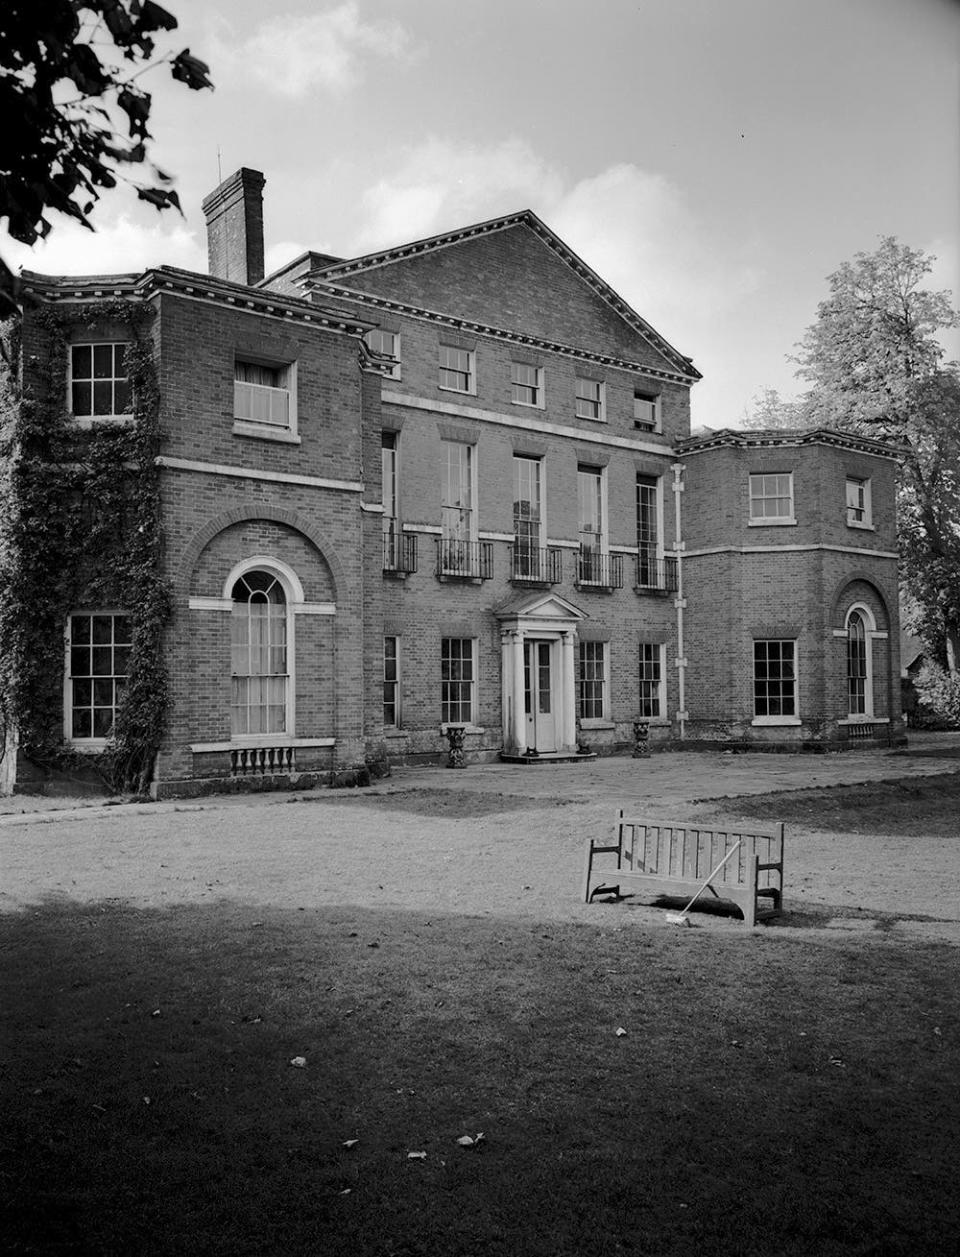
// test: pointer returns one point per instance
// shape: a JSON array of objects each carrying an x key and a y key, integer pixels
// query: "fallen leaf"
[
  {"x": 373, "y": 944},
  {"x": 350, "y": 1143},
  {"x": 299, "y": 1061},
  {"x": 155, "y": 1013},
  {"x": 620, "y": 1032},
  {"x": 416, "y": 1156}
]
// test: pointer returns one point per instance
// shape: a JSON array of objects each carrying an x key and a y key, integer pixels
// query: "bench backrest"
[{"x": 691, "y": 853}]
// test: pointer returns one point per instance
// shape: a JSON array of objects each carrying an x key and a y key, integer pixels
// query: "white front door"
[{"x": 539, "y": 695}]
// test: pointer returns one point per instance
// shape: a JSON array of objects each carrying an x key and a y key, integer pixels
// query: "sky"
[{"x": 713, "y": 160}]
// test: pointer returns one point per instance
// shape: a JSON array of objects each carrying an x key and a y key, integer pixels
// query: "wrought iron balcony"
[
  {"x": 464, "y": 560},
  {"x": 656, "y": 576},
  {"x": 399, "y": 552},
  {"x": 596, "y": 570},
  {"x": 535, "y": 567}
]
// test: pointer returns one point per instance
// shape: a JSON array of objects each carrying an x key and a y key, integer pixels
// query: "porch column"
[
  {"x": 568, "y": 736},
  {"x": 519, "y": 714}
]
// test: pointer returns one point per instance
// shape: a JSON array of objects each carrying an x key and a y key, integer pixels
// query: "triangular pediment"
[
  {"x": 543, "y": 290},
  {"x": 540, "y": 606}
]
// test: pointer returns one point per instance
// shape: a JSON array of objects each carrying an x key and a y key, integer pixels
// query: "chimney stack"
[{"x": 234, "y": 214}]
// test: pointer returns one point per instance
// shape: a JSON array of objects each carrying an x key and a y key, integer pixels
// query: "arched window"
[
  {"x": 860, "y": 627},
  {"x": 259, "y": 649}
]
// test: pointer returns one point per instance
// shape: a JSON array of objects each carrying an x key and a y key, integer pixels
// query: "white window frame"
[
  {"x": 646, "y": 398},
  {"x": 759, "y": 484},
  {"x": 390, "y": 493},
  {"x": 395, "y": 682},
  {"x": 91, "y": 744},
  {"x": 599, "y": 401},
  {"x": 536, "y": 385},
  {"x": 523, "y": 463},
  {"x": 293, "y": 594},
  {"x": 869, "y": 636},
  {"x": 657, "y": 552},
  {"x": 470, "y": 370},
  {"x": 586, "y": 648},
  {"x": 388, "y": 345},
  {"x": 793, "y": 718},
  {"x": 471, "y": 722},
  {"x": 449, "y": 536},
  {"x": 600, "y": 475},
  {"x": 862, "y": 502},
  {"x": 660, "y": 698},
  {"x": 267, "y": 429},
  {"x": 88, "y": 420}
]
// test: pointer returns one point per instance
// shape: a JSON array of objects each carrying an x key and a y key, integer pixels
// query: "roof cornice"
[
  {"x": 376, "y": 302},
  {"x": 169, "y": 279},
  {"x": 526, "y": 218},
  {"x": 783, "y": 438}
]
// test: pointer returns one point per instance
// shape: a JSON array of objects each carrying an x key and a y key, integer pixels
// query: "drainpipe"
[{"x": 679, "y": 602}]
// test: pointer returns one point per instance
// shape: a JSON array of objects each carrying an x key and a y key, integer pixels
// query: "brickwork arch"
[
  {"x": 859, "y": 587},
  {"x": 249, "y": 512}
]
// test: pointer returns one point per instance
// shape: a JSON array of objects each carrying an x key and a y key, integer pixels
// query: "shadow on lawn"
[{"x": 766, "y": 1096}]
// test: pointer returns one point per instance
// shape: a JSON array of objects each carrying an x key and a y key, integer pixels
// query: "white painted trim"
[
  {"x": 798, "y": 549},
  {"x": 313, "y": 608},
  {"x": 264, "y": 432},
  {"x": 527, "y": 424},
  {"x": 774, "y": 721},
  {"x": 864, "y": 720},
  {"x": 250, "y": 473},
  {"x": 773, "y": 521},
  {"x": 272, "y": 740},
  {"x": 293, "y": 590},
  {"x": 210, "y": 604},
  {"x": 433, "y": 529},
  {"x": 497, "y": 536},
  {"x": 372, "y": 508}
]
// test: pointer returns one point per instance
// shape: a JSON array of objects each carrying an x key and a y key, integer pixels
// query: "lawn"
[
  {"x": 908, "y": 806},
  {"x": 772, "y": 1094}
]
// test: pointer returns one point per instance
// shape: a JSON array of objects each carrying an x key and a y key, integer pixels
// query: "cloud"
[
  {"x": 115, "y": 247},
  {"x": 292, "y": 55},
  {"x": 281, "y": 253},
  {"x": 440, "y": 184}
]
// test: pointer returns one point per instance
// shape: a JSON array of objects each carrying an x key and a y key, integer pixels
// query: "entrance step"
[{"x": 548, "y": 757}]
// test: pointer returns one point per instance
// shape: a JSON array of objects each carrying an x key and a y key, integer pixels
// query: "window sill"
[
  {"x": 774, "y": 721},
  {"x": 864, "y": 720},
  {"x": 252, "y": 741},
  {"x": 455, "y": 724},
  {"x": 94, "y": 421},
  {"x": 593, "y": 722},
  {"x": 528, "y": 405},
  {"x": 461, "y": 392},
  {"x": 775, "y": 521},
  {"x": 852, "y": 523},
  {"x": 592, "y": 418},
  {"x": 87, "y": 746},
  {"x": 263, "y": 432}
]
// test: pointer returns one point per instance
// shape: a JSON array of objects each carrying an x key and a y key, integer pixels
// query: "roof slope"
[{"x": 513, "y": 274}]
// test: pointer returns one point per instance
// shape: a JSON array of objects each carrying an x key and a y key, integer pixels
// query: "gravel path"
[{"x": 487, "y": 840}]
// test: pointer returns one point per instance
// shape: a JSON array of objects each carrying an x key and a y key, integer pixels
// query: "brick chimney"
[{"x": 234, "y": 214}]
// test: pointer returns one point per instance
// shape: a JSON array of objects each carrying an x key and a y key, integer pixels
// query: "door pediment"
[{"x": 547, "y": 607}]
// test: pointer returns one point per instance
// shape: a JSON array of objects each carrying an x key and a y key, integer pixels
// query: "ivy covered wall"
[{"x": 80, "y": 529}]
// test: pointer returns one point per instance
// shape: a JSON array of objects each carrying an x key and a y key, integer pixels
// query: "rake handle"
[{"x": 736, "y": 847}]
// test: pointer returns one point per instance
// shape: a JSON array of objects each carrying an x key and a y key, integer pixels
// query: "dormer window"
[{"x": 99, "y": 382}]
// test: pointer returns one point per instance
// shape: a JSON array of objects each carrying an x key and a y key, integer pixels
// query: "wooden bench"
[{"x": 675, "y": 859}]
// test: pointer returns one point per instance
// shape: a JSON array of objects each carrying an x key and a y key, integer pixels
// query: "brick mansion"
[{"x": 448, "y": 485}]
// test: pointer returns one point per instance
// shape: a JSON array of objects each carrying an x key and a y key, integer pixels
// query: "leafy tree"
[
  {"x": 770, "y": 412},
  {"x": 64, "y": 92},
  {"x": 876, "y": 367}
]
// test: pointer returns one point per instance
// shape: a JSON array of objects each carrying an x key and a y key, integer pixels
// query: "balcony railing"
[
  {"x": 600, "y": 571},
  {"x": 259, "y": 403},
  {"x": 399, "y": 552},
  {"x": 656, "y": 576},
  {"x": 464, "y": 560},
  {"x": 535, "y": 567}
]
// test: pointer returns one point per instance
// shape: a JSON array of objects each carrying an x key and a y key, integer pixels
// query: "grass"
[
  {"x": 771, "y": 1095},
  {"x": 924, "y": 807}
]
